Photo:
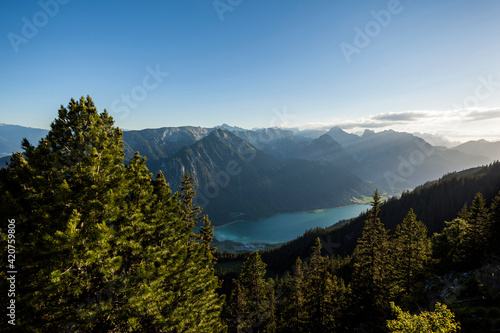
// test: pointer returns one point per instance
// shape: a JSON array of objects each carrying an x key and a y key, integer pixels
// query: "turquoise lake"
[{"x": 284, "y": 227}]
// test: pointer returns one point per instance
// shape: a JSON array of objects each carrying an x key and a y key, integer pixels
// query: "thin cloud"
[
  {"x": 366, "y": 124},
  {"x": 401, "y": 116},
  {"x": 482, "y": 115},
  {"x": 452, "y": 124}
]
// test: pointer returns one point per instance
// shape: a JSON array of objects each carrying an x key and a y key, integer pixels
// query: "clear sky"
[{"x": 422, "y": 65}]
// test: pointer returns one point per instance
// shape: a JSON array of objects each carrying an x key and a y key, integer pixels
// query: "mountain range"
[
  {"x": 485, "y": 148},
  {"x": 12, "y": 135},
  {"x": 250, "y": 174},
  {"x": 235, "y": 180}
]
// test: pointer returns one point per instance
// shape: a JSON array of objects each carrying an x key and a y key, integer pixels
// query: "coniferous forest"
[{"x": 102, "y": 245}]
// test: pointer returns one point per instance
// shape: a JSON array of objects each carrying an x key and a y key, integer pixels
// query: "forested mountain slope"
[{"x": 433, "y": 203}]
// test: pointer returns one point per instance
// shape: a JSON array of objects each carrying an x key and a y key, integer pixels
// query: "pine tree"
[
  {"x": 187, "y": 196},
  {"x": 238, "y": 321},
  {"x": 449, "y": 245},
  {"x": 370, "y": 281},
  {"x": 495, "y": 225},
  {"x": 293, "y": 314},
  {"x": 478, "y": 231},
  {"x": 411, "y": 254},
  {"x": 271, "y": 324},
  {"x": 251, "y": 299},
  {"x": 68, "y": 189},
  {"x": 207, "y": 236},
  {"x": 464, "y": 213},
  {"x": 324, "y": 294},
  {"x": 105, "y": 247}
]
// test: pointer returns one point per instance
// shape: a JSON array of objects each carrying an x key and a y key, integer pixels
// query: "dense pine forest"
[
  {"x": 102, "y": 245},
  {"x": 447, "y": 281}
]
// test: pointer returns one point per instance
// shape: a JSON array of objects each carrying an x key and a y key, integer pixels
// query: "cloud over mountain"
[{"x": 461, "y": 125}]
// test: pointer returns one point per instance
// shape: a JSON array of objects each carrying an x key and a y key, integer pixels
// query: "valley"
[
  {"x": 254, "y": 174},
  {"x": 271, "y": 197}
]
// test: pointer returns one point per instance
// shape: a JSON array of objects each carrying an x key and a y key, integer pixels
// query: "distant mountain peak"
[
  {"x": 368, "y": 133},
  {"x": 325, "y": 138},
  {"x": 324, "y": 144},
  {"x": 230, "y": 128},
  {"x": 226, "y": 137},
  {"x": 220, "y": 132},
  {"x": 342, "y": 137},
  {"x": 482, "y": 147},
  {"x": 336, "y": 129},
  {"x": 437, "y": 140}
]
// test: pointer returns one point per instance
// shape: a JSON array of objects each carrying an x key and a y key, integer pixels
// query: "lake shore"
[
  {"x": 281, "y": 228},
  {"x": 310, "y": 211}
]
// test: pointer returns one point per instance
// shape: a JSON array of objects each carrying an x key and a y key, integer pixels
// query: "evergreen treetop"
[{"x": 104, "y": 246}]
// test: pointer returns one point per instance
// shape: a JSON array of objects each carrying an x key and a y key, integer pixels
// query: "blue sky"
[{"x": 428, "y": 66}]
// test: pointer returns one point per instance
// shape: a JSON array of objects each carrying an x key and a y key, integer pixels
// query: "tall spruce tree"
[
  {"x": 207, "y": 236},
  {"x": 478, "y": 231},
  {"x": 271, "y": 322},
  {"x": 464, "y": 213},
  {"x": 293, "y": 314},
  {"x": 448, "y": 246},
  {"x": 495, "y": 225},
  {"x": 464, "y": 242},
  {"x": 66, "y": 188},
  {"x": 191, "y": 213},
  {"x": 250, "y": 299},
  {"x": 411, "y": 254},
  {"x": 324, "y": 294},
  {"x": 237, "y": 321},
  {"x": 370, "y": 280},
  {"x": 104, "y": 247}
]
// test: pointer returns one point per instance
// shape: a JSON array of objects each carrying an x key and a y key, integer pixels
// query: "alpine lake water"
[{"x": 282, "y": 228}]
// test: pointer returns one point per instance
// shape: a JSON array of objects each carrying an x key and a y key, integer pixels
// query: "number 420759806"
[{"x": 11, "y": 241}]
